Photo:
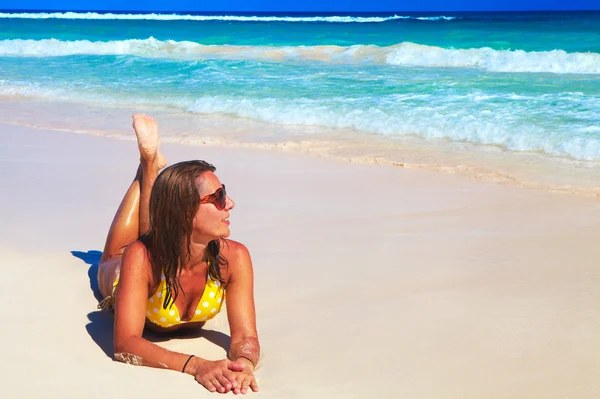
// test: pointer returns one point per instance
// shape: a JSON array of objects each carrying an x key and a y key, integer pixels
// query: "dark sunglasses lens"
[{"x": 222, "y": 198}]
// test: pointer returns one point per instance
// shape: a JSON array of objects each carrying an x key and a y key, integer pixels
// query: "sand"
[{"x": 371, "y": 281}]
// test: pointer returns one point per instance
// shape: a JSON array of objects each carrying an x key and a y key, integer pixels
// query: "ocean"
[{"x": 507, "y": 96}]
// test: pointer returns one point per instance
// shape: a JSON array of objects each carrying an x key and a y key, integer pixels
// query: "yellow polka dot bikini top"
[{"x": 208, "y": 306}]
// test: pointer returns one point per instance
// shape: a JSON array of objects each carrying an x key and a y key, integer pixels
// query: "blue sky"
[{"x": 301, "y": 5}]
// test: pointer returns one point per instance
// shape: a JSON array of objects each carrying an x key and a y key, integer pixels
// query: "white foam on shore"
[
  {"x": 581, "y": 142},
  {"x": 403, "y": 54}
]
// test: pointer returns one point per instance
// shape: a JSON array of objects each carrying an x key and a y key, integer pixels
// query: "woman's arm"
[
  {"x": 130, "y": 317},
  {"x": 241, "y": 314}
]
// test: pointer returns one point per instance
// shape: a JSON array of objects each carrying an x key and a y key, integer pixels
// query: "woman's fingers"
[
  {"x": 212, "y": 384},
  {"x": 245, "y": 383},
  {"x": 208, "y": 385},
  {"x": 230, "y": 378},
  {"x": 242, "y": 386},
  {"x": 236, "y": 391},
  {"x": 253, "y": 385},
  {"x": 225, "y": 383},
  {"x": 225, "y": 376},
  {"x": 217, "y": 384}
]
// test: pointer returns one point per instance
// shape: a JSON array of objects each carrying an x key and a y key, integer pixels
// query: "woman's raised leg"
[{"x": 132, "y": 218}]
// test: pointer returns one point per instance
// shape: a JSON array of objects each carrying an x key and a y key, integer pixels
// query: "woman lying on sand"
[{"x": 176, "y": 274}]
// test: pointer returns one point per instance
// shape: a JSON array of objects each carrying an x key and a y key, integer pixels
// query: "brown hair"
[{"x": 174, "y": 201}]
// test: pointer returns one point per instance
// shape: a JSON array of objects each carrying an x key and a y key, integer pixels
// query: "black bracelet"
[{"x": 186, "y": 362}]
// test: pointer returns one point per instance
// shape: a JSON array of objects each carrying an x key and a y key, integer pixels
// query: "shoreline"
[{"x": 486, "y": 163}]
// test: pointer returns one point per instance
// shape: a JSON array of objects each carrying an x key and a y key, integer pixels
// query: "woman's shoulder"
[
  {"x": 235, "y": 251},
  {"x": 238, "y": 258},
  {"x": 136, "y": 250},
  {"x": 136, "y": 257}
]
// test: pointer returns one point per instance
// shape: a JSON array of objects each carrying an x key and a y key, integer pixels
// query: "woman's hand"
[
  {"x": 245, "y": 379},
  {"x": 215, "y": 375}
]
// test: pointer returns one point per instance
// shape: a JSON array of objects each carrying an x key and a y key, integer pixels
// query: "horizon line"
[{"x": 291, "y": 12}]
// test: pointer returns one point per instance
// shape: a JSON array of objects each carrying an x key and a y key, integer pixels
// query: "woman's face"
[{"x": 211, "y": 221}]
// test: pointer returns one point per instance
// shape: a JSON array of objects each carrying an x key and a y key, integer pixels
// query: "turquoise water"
[{"x": 521, "y": 81}]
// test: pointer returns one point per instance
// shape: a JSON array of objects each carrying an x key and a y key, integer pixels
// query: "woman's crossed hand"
[
  {"x": 245, "y": 379},
  {"x": 222, "y": 376}
]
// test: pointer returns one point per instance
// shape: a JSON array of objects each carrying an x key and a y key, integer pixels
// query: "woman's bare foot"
[
  {"x": 146, "y": 131},
  {"x": 162, "y": 161}
]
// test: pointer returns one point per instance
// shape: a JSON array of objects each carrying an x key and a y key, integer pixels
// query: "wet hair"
[{"x": 174, "y": 201}]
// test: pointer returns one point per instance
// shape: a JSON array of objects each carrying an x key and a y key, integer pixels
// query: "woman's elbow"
[{"x": 124, "y": 353}]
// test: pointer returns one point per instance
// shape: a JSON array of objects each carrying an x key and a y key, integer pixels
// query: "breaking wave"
[{"x": 403, "y": 54}]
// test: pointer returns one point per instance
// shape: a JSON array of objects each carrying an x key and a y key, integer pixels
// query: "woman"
[{"x": 176, "y": 274}]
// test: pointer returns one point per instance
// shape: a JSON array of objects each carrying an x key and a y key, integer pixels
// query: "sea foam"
[
  {"x": 555, "y": 61},
  {"x": 445, "y": 118},
  {"x": 403, "y": 54}
]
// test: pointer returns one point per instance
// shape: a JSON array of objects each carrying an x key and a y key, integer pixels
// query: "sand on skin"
[{"x": 371, "y": 281}]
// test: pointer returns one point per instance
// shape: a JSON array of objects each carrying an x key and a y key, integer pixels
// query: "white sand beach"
[{"x": 371, "y": 281}]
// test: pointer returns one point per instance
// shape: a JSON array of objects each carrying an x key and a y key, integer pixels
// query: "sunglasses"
[{"x": 218, "y": 198}]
